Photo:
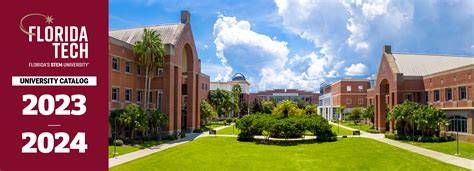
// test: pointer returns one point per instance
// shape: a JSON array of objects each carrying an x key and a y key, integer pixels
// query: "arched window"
[{"x": 457, "y": 124}]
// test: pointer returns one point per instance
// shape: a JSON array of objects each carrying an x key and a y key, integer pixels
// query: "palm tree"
[
  {"x": 133, "y": 117},
  {"x": 229, "y": 103},
  {"x": 368, "y": 113},
  {"x": 341, "y": 110},
  {"x": 150, "y": 52},
  {"x": 311, "y": 109},
  {"x": 216, "y": 98},
  {"x": 158, "y": 120},
  {"x": 237, "y": 90},
  {"x": 286, "y": 107}
]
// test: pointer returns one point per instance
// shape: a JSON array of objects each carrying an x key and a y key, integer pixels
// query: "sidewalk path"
[
  {"x": 142, "y": 153},
  {"x": 454, "y": 160}
]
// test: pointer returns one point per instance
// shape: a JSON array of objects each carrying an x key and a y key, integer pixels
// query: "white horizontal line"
[{"x": 54, "y": 125}]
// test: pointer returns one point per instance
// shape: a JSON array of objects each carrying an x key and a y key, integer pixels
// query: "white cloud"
[
  {"x": 263, "y": 59},
  {"x": 374, "y": 8},
  {"x": 218, "y": 72},
  {"x": 316, "y": 21},
  {"x": 356, "y": 70}
]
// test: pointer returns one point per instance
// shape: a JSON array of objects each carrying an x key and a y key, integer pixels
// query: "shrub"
[
  {"x": 118, "y": 142},
  {"x": 182, "y": 134},
  {"x": 290, "y": 127},
  {"x": 168, "y": 137},
  {"x": 390, "y": 135},
  {"x": 371, "y": 130},
  {"x": 287, "y": 128},
  {"x": 228, "y": 120}
]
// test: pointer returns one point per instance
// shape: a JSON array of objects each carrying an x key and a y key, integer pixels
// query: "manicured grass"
[
  {"x": 466, "y": 149},
  {"x": 342, "y": 131},
  {"x": 226, "y": 153},
  {"x": 121, "y": 150},
  {"x": 228, "y": 130},
  {"x": 362, "y": 127},
  {"x": 213, "y": 125}
]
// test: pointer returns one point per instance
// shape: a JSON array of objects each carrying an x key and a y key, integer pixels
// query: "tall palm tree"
[
  {"x": 150, "y": 52},
  {"x": 216, "y": 98},
  {"x": 237, "y": 90}
]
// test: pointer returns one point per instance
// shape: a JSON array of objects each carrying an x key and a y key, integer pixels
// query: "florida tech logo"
[
  {"x": 48, "y": 19},
  {"x": 68, "y": 41}
]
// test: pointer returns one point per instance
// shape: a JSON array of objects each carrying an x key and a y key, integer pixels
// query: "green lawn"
[
  {"x": 466, "y": 149},
  {"x": 121, "y": 150},
  {"x": 226, "y": 153},
  {"x": 213, "y": 125},
  {"x": 228, "y": 130},
  {"x": 363, "y": 127},
  {"x": 342, "y": 131}
]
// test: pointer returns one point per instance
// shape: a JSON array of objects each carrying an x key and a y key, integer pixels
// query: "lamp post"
[
  {"x": 115, "y": 137},
  {"x": 457, "y": 142}
]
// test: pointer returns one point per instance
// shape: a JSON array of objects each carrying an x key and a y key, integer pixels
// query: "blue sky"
[{"x": 302, "y": 43}]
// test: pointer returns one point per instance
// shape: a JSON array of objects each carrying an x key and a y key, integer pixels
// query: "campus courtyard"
[{"x": 226, "y": 153}]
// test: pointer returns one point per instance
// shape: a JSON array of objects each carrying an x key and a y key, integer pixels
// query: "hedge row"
[
  {"x": 417, "y": 138},
  {"x": 291, "y": 127}
]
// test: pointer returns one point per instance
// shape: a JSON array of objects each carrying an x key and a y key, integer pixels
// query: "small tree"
[
  {"x": 133, "y": 116},
  {"x": 355, "y": 115},
  {"x": 368, "y": 113},
  {"x": 341, "y": 110},
  {"x": 268, "y": 106},
  {"x": 158, "y": 119},
  {"x": 207, "y": 112},
  {"x": 311, "y": 109},
  {"x": 286, "y": 108}
]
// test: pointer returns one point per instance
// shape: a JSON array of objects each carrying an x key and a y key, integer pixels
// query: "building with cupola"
[{"x": 237, "y": 79}]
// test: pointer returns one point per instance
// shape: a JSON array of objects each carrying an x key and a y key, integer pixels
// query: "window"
[
  {"x": 360, "y": 88},
  {"x": 436, "y": 95},
  {"x": 139, "y": 96},
  {"x": 128, "y": 95},
  {"x": 449, "y": 94},
  {"x": 139, "y": 69},
  {"x": 349, "y": 88},
  {"x": 348, "y": 101},
  {"x": 128, "y": 67},
  {"x": 159, "y": 72},
  {"x": 462, "y": 93},
  {"x": 360, "y": 100},
  {"x": 115, "y": 64},
  {"x": 408, "y": 96},
  {"x": 160, "y": 101},
  {"x": 115, "y": 94},
  {"x": 426, "y": 96},
  {"x": 457, "y": 124},
  {"x": 150, "y": 98}
]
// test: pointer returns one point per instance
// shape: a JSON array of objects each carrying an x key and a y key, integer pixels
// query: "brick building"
[
  {"x": 285, "y": 94},
  {"x": 442, "y": 81},
  {"x": 178, "y": 86},
  {"x": 350, "y": 93}
]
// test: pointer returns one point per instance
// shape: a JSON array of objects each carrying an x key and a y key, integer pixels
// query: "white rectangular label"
[{"x": 54, "y": 81}]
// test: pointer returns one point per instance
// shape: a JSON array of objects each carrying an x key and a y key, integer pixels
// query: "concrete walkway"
[
  {"x": 454, "y": 160},
  {"x": 142, "y": 153}
]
